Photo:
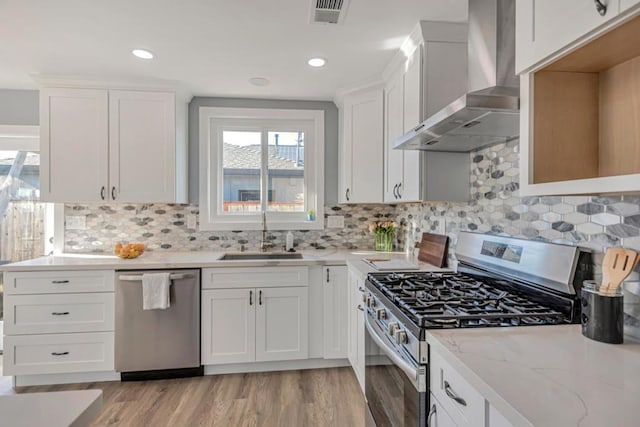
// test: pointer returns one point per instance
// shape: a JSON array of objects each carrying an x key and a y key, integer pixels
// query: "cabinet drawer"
[
  {"x": 41, "y": 314},
  {"x": 54, "y": 282},
  {"x": 438, "y": 417},
  {"x": 446, "y": 384},
  {"x": 254, "y": 277},
  {"x": 58, "y": 353}
]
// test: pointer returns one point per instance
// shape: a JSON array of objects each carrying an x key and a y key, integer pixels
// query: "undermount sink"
[{"x": 259, "y": 256}]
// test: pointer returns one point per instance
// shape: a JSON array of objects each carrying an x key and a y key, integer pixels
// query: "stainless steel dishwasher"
[{"x": 154, "y": 344}]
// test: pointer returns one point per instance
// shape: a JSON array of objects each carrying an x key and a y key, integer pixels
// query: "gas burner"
[{"x": 453, "y": 300}]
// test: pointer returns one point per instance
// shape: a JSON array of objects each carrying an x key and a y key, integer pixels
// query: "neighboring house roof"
[{"x": 248, "y": 157}]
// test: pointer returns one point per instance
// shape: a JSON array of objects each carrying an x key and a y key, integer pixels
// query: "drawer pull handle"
[
  {"x": 360, "y": 307},
  {"x": 432, "y": 413},
  {"x": 63, "y": 353},
  {"x": 60, "y": 313},
  {"x": 453, "y": 395},
  {"x": 59, "y": 282},
  {"x": 600, "y": 7},
  {"x": 360, "y": 289}
]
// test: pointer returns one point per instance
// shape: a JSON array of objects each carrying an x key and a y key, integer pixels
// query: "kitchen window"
[{"x": 261, "y": 160}]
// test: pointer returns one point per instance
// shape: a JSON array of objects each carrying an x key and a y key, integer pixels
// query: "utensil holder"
[{"x": 602, "y": 315}]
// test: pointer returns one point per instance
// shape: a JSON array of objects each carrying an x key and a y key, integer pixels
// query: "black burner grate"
[{"x": 451, "y": 300}]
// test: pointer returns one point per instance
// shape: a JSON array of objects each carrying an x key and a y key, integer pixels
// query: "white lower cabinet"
[
  {"x": 356, "y": 347},
  {"x": 438, "y": 417},
  {"x": 456, "y": 401},
  {"x": 254, "y": 325},
  {"x": 335, "y": 290},
  {"x": 228, "y": 326},
  {"x": 58, "y": 353},
  {"x": 58, "y": 322},
  {"x": 282, "y": 324}
]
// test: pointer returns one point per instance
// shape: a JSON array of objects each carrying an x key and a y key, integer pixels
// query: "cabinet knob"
[
  {"x": 113, "y": 193},
  {"x": 102, "y": 192},
  {"x": 395, "y": 191},
  {"x": 600, "y": 7},
  {"x": 347, "y": 194},
  {"x": 399, "y": 193}
]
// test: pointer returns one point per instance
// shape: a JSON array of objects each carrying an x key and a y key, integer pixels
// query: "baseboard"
[
  {"x": 71, "y": 378},
  {"x": 282, "y": 365}
]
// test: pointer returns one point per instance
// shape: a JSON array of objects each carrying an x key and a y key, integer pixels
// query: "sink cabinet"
[{"x": 242, "y": 323}]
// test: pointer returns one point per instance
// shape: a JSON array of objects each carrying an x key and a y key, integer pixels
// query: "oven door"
[{"x": 395, "y": 385}]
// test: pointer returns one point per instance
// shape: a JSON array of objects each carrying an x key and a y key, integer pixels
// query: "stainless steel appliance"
[
  {"x": 501, "y": 282},
  {"x": 153, "y": 344},
  {"x": 489, "y": 111}
]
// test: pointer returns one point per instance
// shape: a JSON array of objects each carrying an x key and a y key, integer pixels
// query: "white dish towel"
[{"x": 155, "y": 291}]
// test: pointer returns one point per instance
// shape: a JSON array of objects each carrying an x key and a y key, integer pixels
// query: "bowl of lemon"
[{"x": 129, "y": 251}]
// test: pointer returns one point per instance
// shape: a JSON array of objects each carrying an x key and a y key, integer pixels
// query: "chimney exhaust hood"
[{"x": 489, "y": 112}]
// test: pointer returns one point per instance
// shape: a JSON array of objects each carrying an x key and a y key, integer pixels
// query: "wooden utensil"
[
  {"x": 617, "y": 264},
  {"x": 433, "y": 249}
]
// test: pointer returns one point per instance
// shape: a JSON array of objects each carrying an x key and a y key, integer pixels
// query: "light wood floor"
[{"x": 319, "y": 397}]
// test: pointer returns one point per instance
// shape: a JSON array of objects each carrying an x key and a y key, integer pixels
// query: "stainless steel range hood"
[{"x": 489, "y": 112}]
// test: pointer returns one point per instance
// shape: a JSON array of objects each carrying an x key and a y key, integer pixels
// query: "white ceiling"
[{"x": 211, "y": 46}]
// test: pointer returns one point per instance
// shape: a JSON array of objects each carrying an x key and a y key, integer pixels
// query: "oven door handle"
[{"x": 406, "y": 367}]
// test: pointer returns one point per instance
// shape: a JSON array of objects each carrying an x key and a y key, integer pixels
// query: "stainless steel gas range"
[{"x": 501, "y": 282}]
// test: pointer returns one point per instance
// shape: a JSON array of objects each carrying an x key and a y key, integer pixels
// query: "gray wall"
[
  {"x": 330, "y": 136},
  {"x": 19, "y": 107}
]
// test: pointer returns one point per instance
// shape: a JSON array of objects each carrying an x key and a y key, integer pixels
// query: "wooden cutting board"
[{"x": 433, "y": 249}]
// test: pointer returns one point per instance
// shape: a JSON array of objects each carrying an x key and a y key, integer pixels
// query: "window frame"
[{"x": 213, "y": 120}]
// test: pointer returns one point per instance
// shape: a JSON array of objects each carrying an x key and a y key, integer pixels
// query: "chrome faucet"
[{"x": 264, "y": 245}]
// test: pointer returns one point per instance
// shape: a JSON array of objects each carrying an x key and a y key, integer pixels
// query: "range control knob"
[
  {"x": 381, "y": 314},
  {"x": 371, "y": 302},
  {"x": 392, "y": 327},
  {"x": 401, "y": 337}
]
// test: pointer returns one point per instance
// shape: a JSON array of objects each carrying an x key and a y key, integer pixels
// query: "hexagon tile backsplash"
[{"x": 495, "y": 208}]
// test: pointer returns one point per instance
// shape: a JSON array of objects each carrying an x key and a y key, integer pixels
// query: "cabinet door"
[
  {"x": 336, "y": 310},
  {"x": 628, "y": 4},
  {"x": 142, "y": 146},
  {"x": 356, "y": 327},
  {"x": 352, "y": 347},
  {"x": 544, "y": 27},
  {"x": 438, "y": 417},
  {"x": 409, "y": 188},
  {"x": 393, "y": 120},
  {"x": 228, "y": 326},
  {"x": 73, "y": 145},
  {"x": 282, "y": 324},
  {"x": 363, "y": 143}
]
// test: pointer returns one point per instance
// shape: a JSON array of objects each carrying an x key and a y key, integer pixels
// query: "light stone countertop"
[
  {"x": 199, "y": 259},
  {"x": 74, "y": 408},
  {"x": 547, "y": 375}
]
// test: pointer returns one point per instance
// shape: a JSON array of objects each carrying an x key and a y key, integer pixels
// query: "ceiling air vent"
[{"x": 328, "y": 11}]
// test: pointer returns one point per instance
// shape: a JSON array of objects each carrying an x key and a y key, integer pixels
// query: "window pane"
[
  {"x": 285, "y": 176},
  {"x": 241, "y": 171}
]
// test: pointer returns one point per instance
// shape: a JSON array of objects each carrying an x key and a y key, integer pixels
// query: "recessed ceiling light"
[
  {"x": 142, "y": 53},
  {"x": 317, "y": 62},
  {"x": 259, "y": 81}
]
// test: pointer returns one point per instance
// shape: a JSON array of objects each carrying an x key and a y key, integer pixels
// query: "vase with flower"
[{"x": 384, "y": 232}]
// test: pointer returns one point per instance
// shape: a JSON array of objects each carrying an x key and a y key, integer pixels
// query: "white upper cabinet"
[
  {"x": 428, "y": 73},
  {"x": 74, "y": 146},
  {"x": 142, "y": 153},
  {"x": 111, "y": 145},
  {"x": 544, "y": 27},
  {"x": 394, "y": 127},
  {"x": 361, "y": 147}
]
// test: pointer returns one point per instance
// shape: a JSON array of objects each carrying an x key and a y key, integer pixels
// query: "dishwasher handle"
[{"x": 138, "y": 277}]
